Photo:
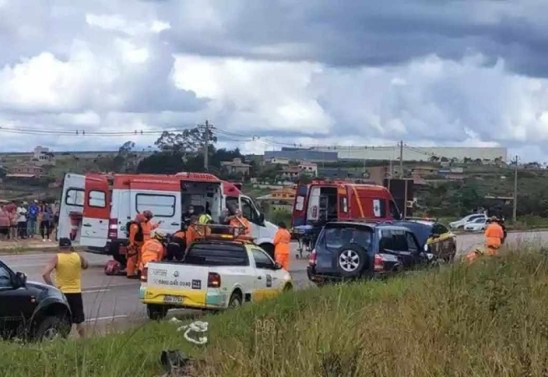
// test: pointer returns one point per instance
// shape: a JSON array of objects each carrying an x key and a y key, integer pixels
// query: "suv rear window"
[
  {"x": 336, "y": 237},
  {"x": 212, "y": 254}
]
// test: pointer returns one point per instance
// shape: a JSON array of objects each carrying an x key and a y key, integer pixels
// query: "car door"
[
  {"x": 16, "y": 304},
  {"x": 267, "y": 283},
  {"x": 165, "y": 206}
]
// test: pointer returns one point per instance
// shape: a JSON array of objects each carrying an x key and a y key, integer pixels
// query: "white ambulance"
[{"x": 95, "y": 208}]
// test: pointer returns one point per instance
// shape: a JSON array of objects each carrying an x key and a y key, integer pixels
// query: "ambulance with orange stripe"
[{"x": 323, "y": 201}]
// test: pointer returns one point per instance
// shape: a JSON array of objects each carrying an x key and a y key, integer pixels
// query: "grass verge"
[{"x": 488, "y": 319}]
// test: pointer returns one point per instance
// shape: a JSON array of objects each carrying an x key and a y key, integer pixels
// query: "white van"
[{"x": 96, "y": 208}]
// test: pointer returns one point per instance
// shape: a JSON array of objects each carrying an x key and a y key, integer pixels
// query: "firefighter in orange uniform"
[
  {"x": 153, "y": 250},
  {"x": 494, "y": 234},
  {"x": 238, "y": 221},
  {"x": 191, "y": 233},
  {"x": 281, "y": 246},
  {"x": 136, "y": 240},
  {"x": 147, "y": 224}
]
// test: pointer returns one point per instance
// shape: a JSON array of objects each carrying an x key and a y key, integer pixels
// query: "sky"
[{"x": 272, "y": 73}]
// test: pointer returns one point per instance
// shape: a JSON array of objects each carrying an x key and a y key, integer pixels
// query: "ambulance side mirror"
[{"x": 261, "y": 218}]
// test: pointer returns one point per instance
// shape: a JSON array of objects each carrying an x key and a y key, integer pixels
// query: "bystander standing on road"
[
  {"x": 32, "y": 218},
  {"x": 68, "y": 266},
  {"x": 4, "y": 224},
  {"x": 46, "y": 218},
  {"x": 22, "y": 221},
  {"x": 12, "y": 214}
]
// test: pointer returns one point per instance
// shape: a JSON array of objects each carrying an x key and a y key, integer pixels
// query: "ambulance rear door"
[
  {"x": 72, "y": 206},
  {"x": 300, "y": 206},
  {"x": 96, "y": 217}
]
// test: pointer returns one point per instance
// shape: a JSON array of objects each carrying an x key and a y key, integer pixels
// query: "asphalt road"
[{"x": 109, "y": 299}]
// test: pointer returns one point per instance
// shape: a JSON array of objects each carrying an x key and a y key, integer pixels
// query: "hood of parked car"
[{"x": 42, "y": 290}]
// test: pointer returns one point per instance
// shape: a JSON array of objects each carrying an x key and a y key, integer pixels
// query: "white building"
[
  {"x": 43, "y": 156},
  {"x": 416, "y": 153}
]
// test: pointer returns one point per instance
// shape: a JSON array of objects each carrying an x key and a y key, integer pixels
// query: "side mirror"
[
  {"x": 261, "y": 218},
  {"x": 277, "y": 266},
  {"x": 21, "y": 279}
]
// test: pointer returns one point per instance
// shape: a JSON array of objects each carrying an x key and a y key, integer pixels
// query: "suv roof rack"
[{"x": 434, "y": 219}]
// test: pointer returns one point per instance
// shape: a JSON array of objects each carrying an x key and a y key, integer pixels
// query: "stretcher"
[{"x": 306, "y": 236}]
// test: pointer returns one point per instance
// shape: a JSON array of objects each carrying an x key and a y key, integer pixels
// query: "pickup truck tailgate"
[{"x": 177, "y": 284}]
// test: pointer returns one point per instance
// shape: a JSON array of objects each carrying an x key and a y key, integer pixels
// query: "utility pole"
[
  {"x": 206, "y": 146},
  {"x": 515, "y": 209},
  {"x": 401, "y": 159}
]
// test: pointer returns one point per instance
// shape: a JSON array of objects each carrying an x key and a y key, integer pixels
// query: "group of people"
[
  {"x": 147, "y": 244},
  {"x": 23, "y": 220}
]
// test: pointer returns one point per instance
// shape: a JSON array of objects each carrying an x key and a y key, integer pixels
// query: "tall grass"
[{"x": 488, "y": 319}]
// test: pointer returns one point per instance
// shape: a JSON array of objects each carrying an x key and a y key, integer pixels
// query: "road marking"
[
  {"x": 95, "y": 290},
  {"x": 112, "y": 317}
]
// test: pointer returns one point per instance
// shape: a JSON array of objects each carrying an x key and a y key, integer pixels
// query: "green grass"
[{"x": 488, "y": 319}]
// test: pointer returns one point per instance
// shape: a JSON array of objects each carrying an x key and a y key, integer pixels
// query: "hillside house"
[
  {"x": 236, "y": 166},
  {"x": 309, "y": 168}
]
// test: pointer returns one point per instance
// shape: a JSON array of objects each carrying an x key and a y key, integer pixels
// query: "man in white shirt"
[{"x": 21, "y": 221}]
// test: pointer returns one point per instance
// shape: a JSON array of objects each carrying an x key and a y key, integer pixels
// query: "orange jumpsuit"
[
  {"x": 134, "y": 250},
  {"x": 152, "y": 251},
  {"x": 148, "y": 227},
  {"x": 493, "y": 238},
  {"x": 282, "y": 247},
  {"x": 238, "y": 222}
]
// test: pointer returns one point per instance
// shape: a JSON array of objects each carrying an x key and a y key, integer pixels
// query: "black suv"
[
  {"x": 346, "y": 250},
  {"x": 31, "y": 310}
]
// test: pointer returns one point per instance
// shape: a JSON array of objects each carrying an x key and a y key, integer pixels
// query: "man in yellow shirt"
[{"x": 68, "y": 266}]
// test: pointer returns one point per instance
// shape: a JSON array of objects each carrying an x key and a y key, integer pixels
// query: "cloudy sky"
[{"x": 269, "y": 73}]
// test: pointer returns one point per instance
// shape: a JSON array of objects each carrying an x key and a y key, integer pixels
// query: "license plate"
[{"x": 173, "y": 300}]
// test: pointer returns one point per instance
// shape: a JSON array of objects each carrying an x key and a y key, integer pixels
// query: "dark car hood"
[{"x": 42, "y": 290}]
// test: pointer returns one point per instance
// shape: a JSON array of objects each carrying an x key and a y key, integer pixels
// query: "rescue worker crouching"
[
  {"x": 153, "y": 250},
  {"x": 281, "y": 242},
  {"x": 176, "y": 246},
  {"x": 136, "y": 240}
]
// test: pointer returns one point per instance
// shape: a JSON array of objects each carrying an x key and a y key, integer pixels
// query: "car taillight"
[
  {"x": 213, "y": 280},
  {"x": 144, "y": 274},
  {"x": 378, "y": 264},
  {"x": 312, "y": 258},
  {"x": 113, "y": 229}
]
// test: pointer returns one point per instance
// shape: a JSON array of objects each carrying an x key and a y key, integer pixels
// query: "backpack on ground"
[{"x": 113, "y": 268}]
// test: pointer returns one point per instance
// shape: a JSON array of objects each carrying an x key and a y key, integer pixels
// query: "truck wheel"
[
  {"x": 351, "y": 259},
  {"x": 156, "y": 312},
  {"x": 52, "y": 327},
  {"x": 235, "y": 301},
  {"x": 269, "y": 248}
]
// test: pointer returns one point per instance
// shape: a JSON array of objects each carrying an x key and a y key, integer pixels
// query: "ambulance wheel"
[{"x": 156, "y": 312}]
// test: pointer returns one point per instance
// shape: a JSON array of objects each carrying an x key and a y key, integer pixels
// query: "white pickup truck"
[{"x": 213, "y": 275}]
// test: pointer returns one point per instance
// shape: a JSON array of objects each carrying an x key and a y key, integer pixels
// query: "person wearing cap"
[
  {"x": 68, "y": 266},
  {"x": 153, "y": 250},
  {"x": 494, "y": 234}
]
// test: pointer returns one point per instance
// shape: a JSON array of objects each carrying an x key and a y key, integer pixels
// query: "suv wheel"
[
  {"x": 351, "y": 260},
  {"x": 52, "y": 327}
]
